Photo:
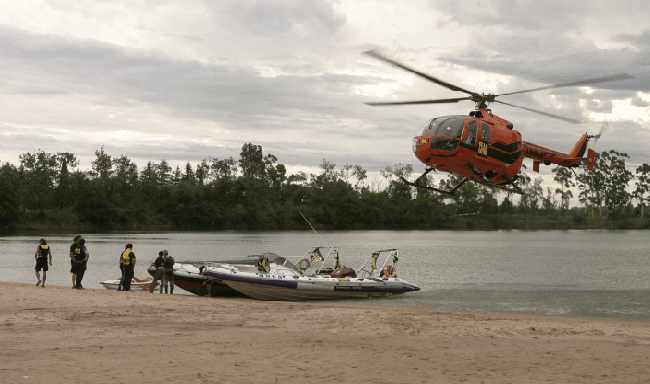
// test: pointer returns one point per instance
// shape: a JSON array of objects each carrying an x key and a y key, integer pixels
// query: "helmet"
[{"x": 129, "y": 245}]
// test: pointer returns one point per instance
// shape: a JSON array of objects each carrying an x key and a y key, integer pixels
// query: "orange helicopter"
[{"x": 482, "y": 146}]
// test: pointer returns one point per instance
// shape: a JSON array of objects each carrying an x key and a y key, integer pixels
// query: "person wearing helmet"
[
  {"x": 127, "y": 265},
  {"x": 41, "y": 256}
]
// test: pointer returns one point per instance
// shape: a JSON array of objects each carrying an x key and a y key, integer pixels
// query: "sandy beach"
[{"x": 59, "y": 335}]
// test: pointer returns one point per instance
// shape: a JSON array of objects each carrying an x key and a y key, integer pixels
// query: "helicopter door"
[
  {"x": 484, "y": 140},
  {"x": 470, "y": 140}
]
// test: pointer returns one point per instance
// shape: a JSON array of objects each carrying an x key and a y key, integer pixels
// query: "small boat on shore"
[
  {"x": 136, "y": 284},
  {"x": 270, "y": 280},
  {"x": 188, "y": 276}
]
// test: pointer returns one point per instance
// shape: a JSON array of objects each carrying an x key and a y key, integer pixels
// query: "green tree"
[
  {"x": 189, "y": 177},
  {"x": 642, "y": 186},
  {"x": 617, "y": 178},
  {"x": 605, "y": 186},
  {"x": 64, "y": 188},
  {"x": 251, "y": 161},
  {"x": 164, "y": 172},
  {"x": 223, "y": 169},
  {"x": 102, "y": 166},
  {"x": 9, "y": 195},
  {"x": 396, "y": 188},
  {"x": 39, "y": 173},
  {"x": 125, "y": 170},
  {"x": 564, "y": 177},
  {"x": 149, "y": 174},
  {"x": 202, "y": 172}
]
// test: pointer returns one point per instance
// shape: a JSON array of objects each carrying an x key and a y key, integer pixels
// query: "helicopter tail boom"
[{"x": 547, "y": 156}]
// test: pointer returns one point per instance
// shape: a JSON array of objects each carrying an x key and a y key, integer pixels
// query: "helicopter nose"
[{"x": 421, "y": 146}]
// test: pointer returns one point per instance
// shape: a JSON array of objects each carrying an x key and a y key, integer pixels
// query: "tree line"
[{"x": 47, "y": 191}]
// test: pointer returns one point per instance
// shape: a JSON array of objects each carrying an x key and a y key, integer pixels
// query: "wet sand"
[{"x": 59, "y": 335}]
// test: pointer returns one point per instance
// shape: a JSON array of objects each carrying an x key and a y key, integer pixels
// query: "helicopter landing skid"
[
  {"x": 416, "y": 184},
  {"x": 510, "y": 186}
]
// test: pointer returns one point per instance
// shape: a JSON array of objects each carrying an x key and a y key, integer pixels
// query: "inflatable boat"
[{"x": 270, "y": 280}]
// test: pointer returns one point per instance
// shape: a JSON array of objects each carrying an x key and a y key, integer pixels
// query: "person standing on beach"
[
  {"x": 127, "y": 265},
  {"x": 79, "y": 259},
  {"x": 42, "y": 254},
  {"x": 158, "y": 272},
  {"x": 73, "y": 248},
  {"x": 168, "y": 273}
]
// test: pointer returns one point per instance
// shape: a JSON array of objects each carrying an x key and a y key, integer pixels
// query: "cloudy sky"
[{"x": 186, "y": 80}]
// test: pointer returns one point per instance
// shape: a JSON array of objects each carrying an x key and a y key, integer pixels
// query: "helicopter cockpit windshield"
[{"x": 445, "y": 132}]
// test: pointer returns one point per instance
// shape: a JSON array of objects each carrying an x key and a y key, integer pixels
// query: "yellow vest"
[
  {"x": 43, "y": 250},
  {"x": 126, "y": 257}
]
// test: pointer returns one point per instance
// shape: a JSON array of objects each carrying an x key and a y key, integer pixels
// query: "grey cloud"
[
  {"x": 209, "y": 91},
  {"x": 271, "y": 73},
  {"x": 601, "y": 106},
  {"x": 555, "y": 15},
  {"x": 640, "y": 40},
  {"x": 289, "y": 17},
  {"x": 639, "y": 102},
  {"x": 285, "y": 111}
]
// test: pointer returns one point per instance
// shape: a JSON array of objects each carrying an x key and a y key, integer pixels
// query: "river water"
[{"x": 577, "y": 273}]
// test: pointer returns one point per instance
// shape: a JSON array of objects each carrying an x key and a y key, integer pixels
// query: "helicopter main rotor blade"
[
  {"x": 596, "y": 80},
  {"x": 380, "y": 57},
  {"x": 567, "y": 119},
  {"x": 415, "y": 102}
]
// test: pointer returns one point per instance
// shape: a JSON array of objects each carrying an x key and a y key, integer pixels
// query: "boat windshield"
[
  {"x": 279, "y": 260},
  {"x": 276, "y": 259},
  {"x": 382, "y": 263}
]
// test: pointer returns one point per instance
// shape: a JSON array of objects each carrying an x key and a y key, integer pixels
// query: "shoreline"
[
  {"x": 386, "y": 303},
  {"x": 535, "y": 226},
  {"x": 46, "y": 232},
  {"x": 59, "y": 335}
]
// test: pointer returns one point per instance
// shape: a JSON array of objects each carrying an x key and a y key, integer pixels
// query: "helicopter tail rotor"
[
  {"x": 592, "y": 154},
  {"x": 596, "y": 137}
]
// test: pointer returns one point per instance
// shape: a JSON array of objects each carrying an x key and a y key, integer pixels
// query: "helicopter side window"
[{"x": 471, "y": 133}]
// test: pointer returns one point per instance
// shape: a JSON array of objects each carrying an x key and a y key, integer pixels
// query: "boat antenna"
[
  {"x": 308, "y": 222},
  {"x": 329, "y": 247}
]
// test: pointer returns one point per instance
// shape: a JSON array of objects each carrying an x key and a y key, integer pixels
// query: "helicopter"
[{"x": 483, "y": 147}]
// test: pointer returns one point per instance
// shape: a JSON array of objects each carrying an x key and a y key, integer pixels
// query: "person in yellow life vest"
[
  {"x": 42, "y": 254},
  {"x": 127, "y": 265}
]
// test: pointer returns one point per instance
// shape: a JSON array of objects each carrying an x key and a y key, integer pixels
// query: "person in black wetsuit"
[
  {"x": 79, "y": 260},
  {"x": 42, "y": 253},
  {"x": 158, "y": 272},
  {"x": 168, "y": 273},
  {"x": 73, "y": 247}
]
